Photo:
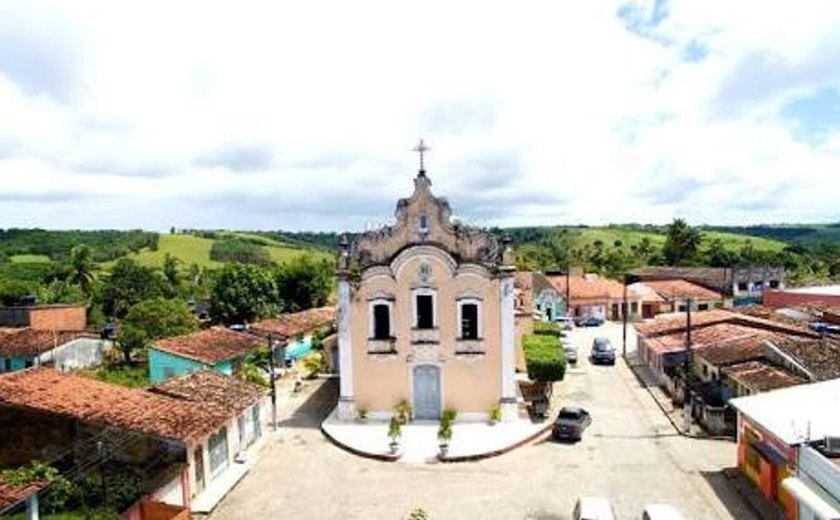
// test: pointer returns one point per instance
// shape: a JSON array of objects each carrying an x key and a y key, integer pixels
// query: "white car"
[
  {"x": 661, "y": 512},
  {"x": 593, "y": 508},
  {"x": 565, "y": 322}
]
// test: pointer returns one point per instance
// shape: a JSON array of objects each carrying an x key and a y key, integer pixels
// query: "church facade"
[{"x": 426, "y": 316}]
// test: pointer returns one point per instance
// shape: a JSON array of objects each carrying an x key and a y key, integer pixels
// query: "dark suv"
[
  {"x": 602, "y": 352},
  {"x": 570, "y": 423}
]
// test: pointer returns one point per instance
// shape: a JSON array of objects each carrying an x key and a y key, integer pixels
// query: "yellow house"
[{"x": 426, "y": 316}]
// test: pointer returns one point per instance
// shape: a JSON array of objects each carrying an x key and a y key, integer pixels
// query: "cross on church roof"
[{"x": 421, "y": 149}]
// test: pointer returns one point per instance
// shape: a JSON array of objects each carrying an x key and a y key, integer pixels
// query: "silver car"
[{"x": 571, "y": 353}]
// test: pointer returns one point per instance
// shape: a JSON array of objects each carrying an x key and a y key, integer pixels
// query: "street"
[{"x": 630, "y": 454}]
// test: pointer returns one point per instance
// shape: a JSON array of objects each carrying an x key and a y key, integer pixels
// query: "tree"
[
  {"x": 304, "y": 283},
  {"x": 131, "y": 339},
  {"x": 170, "y": 269},
  {"x": 128, "y": 285},
  {"x": 161, "y": 318},
  {"x": 718, "y": 256},
  {"x": 242, "y": 293},
  {"x": 61, "y": 291},
  {"x": 82, "y": 268},
  {"x": 681, "y": 244},
  {"x": 11, "y": 291}
]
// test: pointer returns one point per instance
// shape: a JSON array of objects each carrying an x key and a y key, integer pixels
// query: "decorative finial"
[{"x": 421, "y": 149}]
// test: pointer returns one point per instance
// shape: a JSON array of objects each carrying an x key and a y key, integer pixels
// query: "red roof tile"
[
  {"x": 50, "y": 391},
  {"x": 717, "y": 334},
  {"x": 670, "y": 290},
  {"x": 675, "y": 322},
  {"x": 230, "y": 394},
  {"x": 295, "y": 323},
  {"x": 588, "y": 287},
  {"x": 29, "y": 342},
  {"x": 761, "y": 376},
  {"x": 210, "y": 345},
  {"x": 12, "y": 494}
]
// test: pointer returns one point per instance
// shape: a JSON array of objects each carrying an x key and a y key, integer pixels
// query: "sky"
[{"x": 303, "y": 115}]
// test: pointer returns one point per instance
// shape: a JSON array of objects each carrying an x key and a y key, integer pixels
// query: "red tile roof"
[
  {"x": 670, "y": 290},
  {"x": 12, "y": 494},
  {"x": 716, "y": 334},
  {"x": 295, "y": 323},
  {"x": 588, "y": 287},
  {"x": 50, "y": 391},
  {"x": 820, "y": 357},
  {"x": 230, "y": 394},
  {"x": 761, "y": 377},
  {"x": 25, "y": 342},
  {"x": 675, "y": 322},
  {"x": 210, "y": 345}
]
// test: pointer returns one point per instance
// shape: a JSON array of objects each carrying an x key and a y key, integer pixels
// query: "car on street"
[
  {"x": 661, "y": 512},
  {"x": 571, "y": 423},
  {"x": 590, "y": 321},
  {"x": 602, "y": 351},
  {"x": 565, "y": 322},
  {"x": 593, "y": 508},
  {"x": 571, "y": 353}
]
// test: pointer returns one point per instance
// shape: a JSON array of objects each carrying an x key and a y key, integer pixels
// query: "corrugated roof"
[
  {"x": 50, "y": 391},
  {"x": 796, "y": 414},
  {"x": 210, "y": 345}
]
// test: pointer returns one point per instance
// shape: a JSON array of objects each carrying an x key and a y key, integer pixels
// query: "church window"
[
  {"x": 424, "y": 310},
  {"x": 424, "y": 224},
  {"x": 381, "y": 321},
  {"x": 469, "y": 321}
]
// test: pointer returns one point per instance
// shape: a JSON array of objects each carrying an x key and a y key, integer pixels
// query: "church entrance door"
[{"x": 427, "y": 392}]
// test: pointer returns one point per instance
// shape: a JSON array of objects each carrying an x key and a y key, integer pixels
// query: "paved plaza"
[{"x": 631, "y": 454}]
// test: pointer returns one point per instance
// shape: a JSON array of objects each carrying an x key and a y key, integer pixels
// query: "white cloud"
[{"x": 255, "y": 115}]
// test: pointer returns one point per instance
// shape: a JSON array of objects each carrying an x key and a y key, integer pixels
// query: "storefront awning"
[{"x": 818, "y": 501}]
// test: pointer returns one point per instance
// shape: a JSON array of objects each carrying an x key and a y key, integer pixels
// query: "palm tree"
[{"x": 82, "y": 268}]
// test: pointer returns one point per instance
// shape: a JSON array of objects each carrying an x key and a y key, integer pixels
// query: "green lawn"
[
  {"x": 29, "y": 259},
  {"x": 608, "y": 235}
]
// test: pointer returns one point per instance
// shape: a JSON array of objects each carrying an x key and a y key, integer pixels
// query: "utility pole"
[
  {"x": 624, "y": 312},
  {"x": 272, "y": 382}
]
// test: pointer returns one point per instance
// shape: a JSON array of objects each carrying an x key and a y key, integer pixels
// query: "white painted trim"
[
  {"x": 371, "y": 316},
  {"x": 479, "y": 313},
  {"x": 508, "y": 365},
  {"x": 430, "y": 252},
  {"x": 426, "y": 292},
  {"x": 347, "y": 407}
]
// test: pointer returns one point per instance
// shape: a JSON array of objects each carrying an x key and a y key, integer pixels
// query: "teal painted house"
[
  {"x": 296, "y": 329},
  {"x": 547, "y": 299},
  {"x": 216, "y": 348},
  {"x": 21, "y": 347}
]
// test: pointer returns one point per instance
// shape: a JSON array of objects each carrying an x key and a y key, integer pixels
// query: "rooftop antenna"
[{"x": 421, "y": 149}]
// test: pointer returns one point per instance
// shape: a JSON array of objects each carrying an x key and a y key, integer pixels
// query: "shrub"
[
  {"x": 238, "y": 250},
  {"x": 445, "y": 430},
  {"x": 402, "y": 411},
  {"x": 544, "y": 358},
  {"x": 547, "y": 328},
  {"x": 394, "y": 429},
  {"x": 496, "y": 413},
  {"x": 314, "y": 364},
  {"x": 448, "y": 415}
]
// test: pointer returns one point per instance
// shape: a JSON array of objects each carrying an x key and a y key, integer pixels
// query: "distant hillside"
[{"x": 805, "y": 234}]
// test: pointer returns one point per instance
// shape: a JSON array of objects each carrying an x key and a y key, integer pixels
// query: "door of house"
[
  {"x": 427, "y": 392},
  {"x": 198, "y": 458}
]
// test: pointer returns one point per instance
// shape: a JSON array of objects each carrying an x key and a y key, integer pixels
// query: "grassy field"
[
  {"x": 628, "y": 236},
  {"x": 29, "y": 259},
  {"x": 191, "y": 249}
]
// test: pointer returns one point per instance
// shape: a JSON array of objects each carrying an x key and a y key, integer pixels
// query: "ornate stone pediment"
[{"x": 426, "y": 219}]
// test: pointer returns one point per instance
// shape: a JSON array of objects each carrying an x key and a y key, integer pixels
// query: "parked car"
[
  {"x": 593, "y": 508},
  {"x": 590, "y": 321},
  {"x": 570, "y": 423},
  {"x": 602, "y": 352},
  {"x": 661, "y": 512},
  {"x": 571, "y": 353},
  {"x": 565, "y": 322}
]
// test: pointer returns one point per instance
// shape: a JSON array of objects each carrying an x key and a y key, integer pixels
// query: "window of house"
[
  {"x": 218, "y": 451},
  {"x": 469, "y": 320},
  {"x": 7, "y": 365},
  {"x": 423, "y": 225},
  {"x": 381, "y": 321},
  {"x": 703, "y": 307},
  {"x": 683, "y": 307},
  {"x": 425, "y": 309},
  {"x": 27, "y": 363},
  {"x": 742, "y": 286},
  {"x": 774, "y": 284}
]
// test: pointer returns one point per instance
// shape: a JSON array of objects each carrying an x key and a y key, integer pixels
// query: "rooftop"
[
  {"x": 29, "y": 342},
  {"x": 672, "y": 289},
  {"x": 210, "y": 345},
  {"x": 820, "y": 357},
  {"x": 737, "y": 349},
  {"x": 230, "y": 394},
  {"x": 796, "y": 413},
  {"x": 728, "y": 338},
  {"x": 295, "y": 323},
  {"x": 588, "y": 287},
  {"x": 676, "y": 322},
  {"x": 50, "y": 391},
  {"x": 823, "y": 290},
  {"x": 713, "y": 276},
  {"x": 12, "y": 494},
  {"x": 762, "y": 376}
]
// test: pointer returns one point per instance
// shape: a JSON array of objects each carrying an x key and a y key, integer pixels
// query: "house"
[
  {"x": 743, "y": 284},
  {"x": 663, "y": 296},
  {"x": 788, "y": 448},
  {"x": 23, "y": 347},
  {"x": 53, "y": 317},
  {"x": 217, "y": 347},
  {"x": 550, "y": 303},
  {"x": 184, "y": 436},
  {"x": 426, "y": 316},
  {"x": 828, "y": 295},
  {"x": 297, "y": 329},
  {"x": 593, "y": 295}
]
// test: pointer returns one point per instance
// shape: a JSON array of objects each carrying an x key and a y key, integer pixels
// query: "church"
[{"x": 426, "y": 316}]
